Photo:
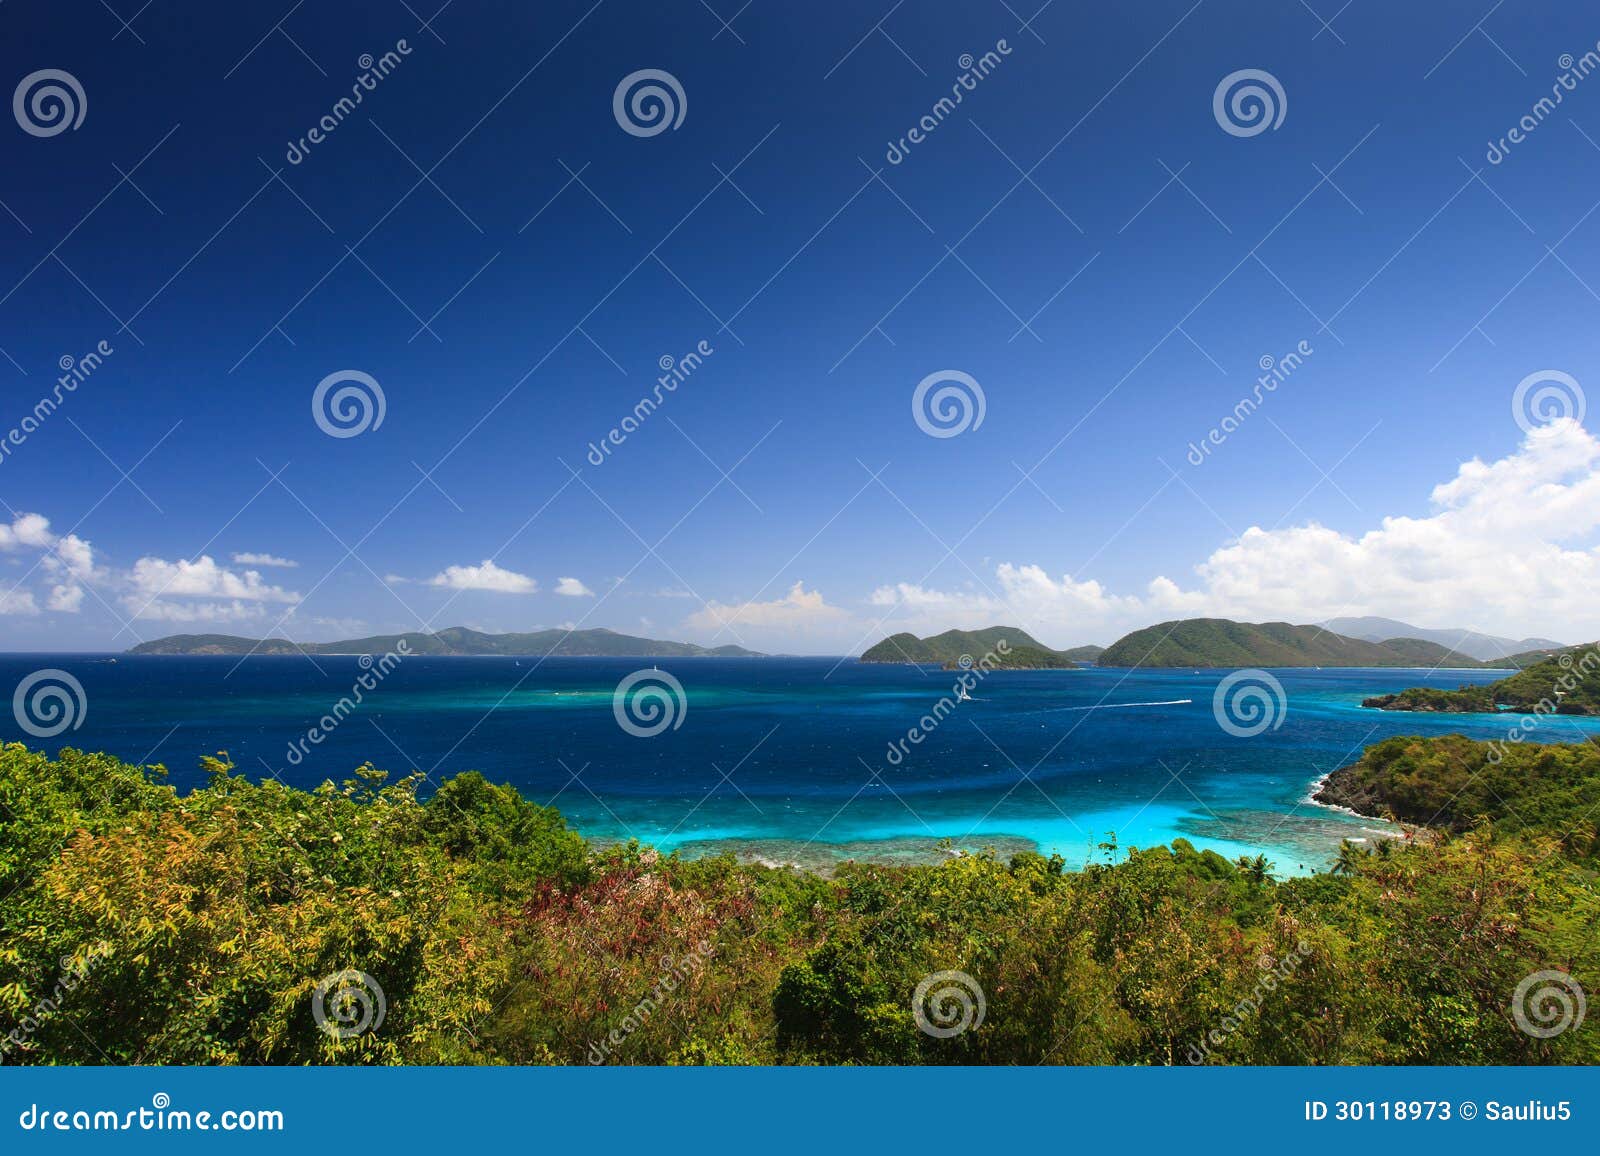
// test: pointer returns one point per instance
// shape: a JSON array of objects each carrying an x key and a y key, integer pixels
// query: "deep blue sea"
[{"x": 788, "y": 759}]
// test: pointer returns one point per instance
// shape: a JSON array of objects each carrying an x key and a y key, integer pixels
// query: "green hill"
[
  {"x": 455, "y": 640},
  {"x": 1451, "y": 782},
  {"x": 1566, "y": 684},
  {"x": 1024, "y": 652},
  {"x": 1218, "y": 642}
]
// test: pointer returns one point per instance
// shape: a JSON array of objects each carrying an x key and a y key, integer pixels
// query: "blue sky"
[{"x": 482, "y": 238}]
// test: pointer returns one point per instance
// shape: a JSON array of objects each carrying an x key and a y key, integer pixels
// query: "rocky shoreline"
[{"x": 1344, "y": 789}]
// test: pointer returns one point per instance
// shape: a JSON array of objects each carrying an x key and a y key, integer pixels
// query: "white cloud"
[
  {"x": 572, "y": 588},
  {"x": 75, "y": 555},
  {"x": 30, "y": 530},
  {"x": 66, "y": 598},
  {"x": 163, "y": 610},
  {"x": 202, "y": 578},
  {"x": 800, "y": 610},
  {"x": 19, "y": 602},
  {"x": 1504, "y": 549},
  {"x": 487, "y": 576},
  {"x": 247, "y": 558},
  {"x": 68, "y": 560}
]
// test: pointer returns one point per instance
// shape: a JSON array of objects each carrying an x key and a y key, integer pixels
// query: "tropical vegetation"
[
  {"x": 1568, "y": 683},
  {"x": 1218, "y": 642},
  {"x": 383, "y": 922}
]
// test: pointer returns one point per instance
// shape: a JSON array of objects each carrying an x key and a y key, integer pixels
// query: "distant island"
[
  {"x": 455, "y": 640},
  {"x": 1567, "y": 683},
  {"x": 1472, "y": 643},
  {"x": 1217, "y": 642},
  {"x": 1023, "y": 651}
]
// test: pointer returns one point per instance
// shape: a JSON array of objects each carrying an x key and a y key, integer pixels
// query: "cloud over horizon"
[
  {"x": 800, "y": 609},
  {"x": 486, "y": 576},
  {"x": 1507, "y": 538},
  {"x": 573, "y": 588},
  {"x": 67, "y": 562}
]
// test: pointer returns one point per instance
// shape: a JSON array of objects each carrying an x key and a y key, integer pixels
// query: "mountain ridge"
[
  {"x": 1023, "y": 651},
  {"x": 1472, "y": 643},
  {"x": 452, "y": 641},
  {"x": 1221, "y": 642}
]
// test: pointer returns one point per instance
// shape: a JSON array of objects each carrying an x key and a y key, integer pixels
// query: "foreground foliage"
[{"x": 140, "y": 926}]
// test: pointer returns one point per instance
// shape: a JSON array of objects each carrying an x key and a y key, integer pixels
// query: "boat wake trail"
[{"x": 1117, "y": 705}]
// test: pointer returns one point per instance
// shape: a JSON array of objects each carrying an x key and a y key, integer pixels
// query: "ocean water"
[{"x": 790, "y": 759}]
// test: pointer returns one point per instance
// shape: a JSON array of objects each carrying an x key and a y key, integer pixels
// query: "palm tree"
[
  {"x": 1349, "y": 860},
  {"x": 1257, "y": 870}
]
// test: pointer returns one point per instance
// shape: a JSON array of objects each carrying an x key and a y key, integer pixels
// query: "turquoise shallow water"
[{"x": 791, "y": 758}]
